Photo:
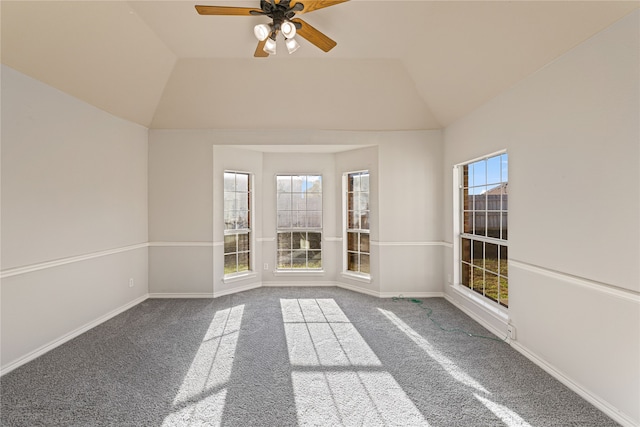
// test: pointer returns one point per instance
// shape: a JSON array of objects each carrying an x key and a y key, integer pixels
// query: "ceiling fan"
[{"x": 282, "y": 13}]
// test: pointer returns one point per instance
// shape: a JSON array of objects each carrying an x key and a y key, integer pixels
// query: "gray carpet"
[{"x": 288, "y": 357}]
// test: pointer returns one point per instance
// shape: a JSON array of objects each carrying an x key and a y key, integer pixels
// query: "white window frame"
[
  {"x": 288, "y": 271},
  {"x": 345, "y": 228},
  {"x": 458, "y": 234},
  {"x": 250, "y": 230}
]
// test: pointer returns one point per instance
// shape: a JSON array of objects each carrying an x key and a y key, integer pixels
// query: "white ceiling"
[{"x": 398, "y": 64}]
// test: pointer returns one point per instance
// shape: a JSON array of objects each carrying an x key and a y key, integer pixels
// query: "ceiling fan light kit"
[{"x": 282, "y": 13}]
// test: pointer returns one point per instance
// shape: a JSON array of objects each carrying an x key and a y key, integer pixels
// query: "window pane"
[
  {"x": 298, "y": 184},
  {"x": 229, "y": 181},
  {"x": 354, "y": 221},
  {"x": 364, "y": 242},
  {"x": 466, "y": 250},
  {"x": 284, "y": 241},
  {"x": 504, "y": 291},
  {"x": 243, "y": 261},
  {"x": 298, "y": 201},
  {"x": 300, "y": 241},
  {"x": 480, "y": 224},
  {"x": 504, "y": 160},
  {"x": 230, "y": 265},
  {"x": 315, "y": 240},
  {"x": 364, "y": 220},
  {"x": 364, "y": 264},
  {"x": 284, "y": 259},
  {"x": 352, "y": 242},
  {"x": 493, "y": 170},
  {"x": 477, "y": 253},
  {"x": 314, "y": 202},
  {"x": 478, "y": 280},
  {"x": 491, "y": 257},
  {"x": 314, "y": 184},
  {"x": 243, "y": 219},
  {"x": 299, "y": 259},
  {"x": 284, "y": 219},
  {"x": 353, "y": 262},
  {"x": 354, "y": 182},
  {"x": 466, "y": 275},
  {"x": 314, "y": 219},
  {"x": 315, "y": 259},
  {"x": 283, "y": 184},
  {"x": 243, "y": 242},
  {"x": 284, "y": 201},
  {"x": 242, "y": 182},
  {"x": 504, "y": 270},
  {"x": 504, "y": 225},
  {"x": 230, "y": 244},
  {"x": 364, "y": 182},
  {"x": 491, "y": 286},
  {"x": 479, "y": 173},
  {"x": 242, "y": 201}
]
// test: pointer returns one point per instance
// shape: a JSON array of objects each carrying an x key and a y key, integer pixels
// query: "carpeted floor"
[{"x": 288, "y": 357}]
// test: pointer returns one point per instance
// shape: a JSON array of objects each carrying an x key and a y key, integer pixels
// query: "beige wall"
[
  {"x": 572, "y": 134},
  {"x": 185, "y": 218},
  {"x": 74, "y": 215}
]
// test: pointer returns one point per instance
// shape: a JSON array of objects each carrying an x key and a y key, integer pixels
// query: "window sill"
[
  {"x": 298, "y": 272},
  {"x": 365, "y": 278},
  {"x": 486, "y": 304},
  {"x": 239, "y": 277}
]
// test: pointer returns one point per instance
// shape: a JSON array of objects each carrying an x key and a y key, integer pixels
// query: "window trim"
[
  {"x": 458, "y": 234},
  {"x": 355, "y": 275},
  {"x": 301, "y": 271},
  {"x": 251, "y": 272}
]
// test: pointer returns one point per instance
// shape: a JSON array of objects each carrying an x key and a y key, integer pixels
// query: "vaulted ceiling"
[{"x": 398, "y": 64}]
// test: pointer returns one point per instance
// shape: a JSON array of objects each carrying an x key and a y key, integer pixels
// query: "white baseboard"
[
  {"x": 160, "y": 295},
  {"x": 235, "y": 290},
  {"x": 358, "y": 289},
  {"x": 298, "y": 284},
  {"x": 69, "y": 336},
  {"x": 498, "y": 333},
  {"x": 599, "y": 403},
  {"x": 411, "y": 294}
]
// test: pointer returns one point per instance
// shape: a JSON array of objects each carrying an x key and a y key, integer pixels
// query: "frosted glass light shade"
[
  {"x": 261, "y": 31},
  {"x": 270, "y": 46},
  {"x": 292, "y": 45},
  {"x": 288, "y": 29}
]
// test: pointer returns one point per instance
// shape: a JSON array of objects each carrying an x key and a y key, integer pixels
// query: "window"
[
  {"x": 357, "y": 247},
  {"x": 299, "y": 217},
  {"x": 483, "y": 238},
  {"x": 237, "y": 222}
]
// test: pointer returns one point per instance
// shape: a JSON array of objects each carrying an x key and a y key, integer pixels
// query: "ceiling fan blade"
[
  {"x": 314, "y": 36},
  {"x": 259, "y": 52},
  {"x": 228, "y": 10},
  {"x": 311, "y": 5}
]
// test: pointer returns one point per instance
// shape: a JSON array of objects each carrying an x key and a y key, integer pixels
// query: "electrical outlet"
[
  {"x": 511, "y": 332},
  {"x": 131, "y": 283},
  {"x": 449, "y": 279},
  {"x": 266, "y": 266}
]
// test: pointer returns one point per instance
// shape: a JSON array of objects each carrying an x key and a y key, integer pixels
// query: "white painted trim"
[
  {"x": 357, "y": 277},
  {"x": 580, "y": 281},
  {"x": 181, "y": 244},
  {"x": 474, "y": 315},
  {"x": 266, "y": 239},
  {"x": 434, "y": 243},
  {"x": 358, "y": 289},
  {"x": 596, "y": 401},
  {"x": 297, "y": 284},
  {"x": 239, "y": 277},
  {"x": 63, "y": 261},
  {"x": 411, "y": 294},
  {"x": 236, "y": 290},
  {"x": 161, "y": 295},
  {"x": 299, "y": 273},
  {"x": 333, "y": 239},
  {"x": 69, "y": 336}
]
